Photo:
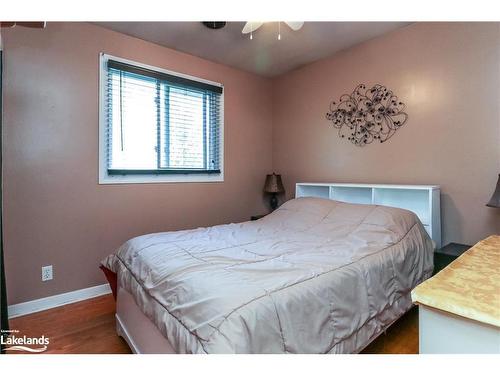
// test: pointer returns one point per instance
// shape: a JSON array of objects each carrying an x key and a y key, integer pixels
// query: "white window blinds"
[{"x": 157, "y": 123}]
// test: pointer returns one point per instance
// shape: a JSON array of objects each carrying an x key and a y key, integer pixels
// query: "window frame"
[{"x": 150, "y": 177}]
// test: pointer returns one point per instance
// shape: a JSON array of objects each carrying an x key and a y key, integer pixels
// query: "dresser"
[{"x": 459, "y": 307}]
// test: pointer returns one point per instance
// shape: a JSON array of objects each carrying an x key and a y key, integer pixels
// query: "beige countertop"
[{"x": 469, "y": 286}]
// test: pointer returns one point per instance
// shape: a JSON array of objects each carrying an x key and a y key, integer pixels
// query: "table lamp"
[{"x": 274, "y": 186}]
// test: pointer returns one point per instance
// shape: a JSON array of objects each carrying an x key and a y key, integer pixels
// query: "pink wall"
[
  {"x": 448, "y": 74},
  {"x": 56, "y": 213},
  {"x": 54, "y": 210}
]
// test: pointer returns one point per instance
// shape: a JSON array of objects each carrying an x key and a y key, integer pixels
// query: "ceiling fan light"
[
  {"x": 251, "y": 26},
  {"x": 295, "y": 25}
]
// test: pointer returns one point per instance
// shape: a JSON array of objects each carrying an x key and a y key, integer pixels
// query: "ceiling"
[{"x": 264, "y": 54}]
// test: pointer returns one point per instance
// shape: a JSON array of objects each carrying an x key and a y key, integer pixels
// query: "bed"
[{"x": 314, "y": 276}]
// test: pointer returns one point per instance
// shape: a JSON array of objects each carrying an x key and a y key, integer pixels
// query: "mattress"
[{"x": 314, "y": 276}]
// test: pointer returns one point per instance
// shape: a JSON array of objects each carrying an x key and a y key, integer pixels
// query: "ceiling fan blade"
[
  {"x": 295, "y": 25},
  {"x": 33, "y": 25},
  {"x": 251, "y": 26}
]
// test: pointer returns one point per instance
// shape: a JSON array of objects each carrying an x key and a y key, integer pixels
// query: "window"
[{"x": 158, "y": 126}]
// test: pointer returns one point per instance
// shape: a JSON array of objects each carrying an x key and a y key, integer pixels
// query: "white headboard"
[{"x": 423, "y": 200}]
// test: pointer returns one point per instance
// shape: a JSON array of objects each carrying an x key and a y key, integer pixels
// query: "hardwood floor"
[
  {"x": 83, "y": 327},
  {"x": 88, "y": 327},
  {"x": 400, "y": 338}
]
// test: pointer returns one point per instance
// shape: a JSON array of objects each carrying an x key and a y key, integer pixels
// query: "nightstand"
[
  {"x": 447, "y": 254},
  {"x": 257, "y": 217}
]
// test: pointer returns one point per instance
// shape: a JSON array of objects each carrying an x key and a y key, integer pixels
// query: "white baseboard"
[{"x": 46, "y": 303}]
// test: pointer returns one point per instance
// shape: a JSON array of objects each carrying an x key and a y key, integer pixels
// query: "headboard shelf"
[{"x": 423, "y": 200}]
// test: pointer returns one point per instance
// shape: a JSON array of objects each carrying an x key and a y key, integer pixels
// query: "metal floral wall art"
[{"x": 367, "y": 115}]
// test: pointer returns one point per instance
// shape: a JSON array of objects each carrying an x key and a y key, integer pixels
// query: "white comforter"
[{"x": 315, "y": 276}]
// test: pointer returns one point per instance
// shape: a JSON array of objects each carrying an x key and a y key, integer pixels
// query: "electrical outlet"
[{"x": 47, "y": 273}]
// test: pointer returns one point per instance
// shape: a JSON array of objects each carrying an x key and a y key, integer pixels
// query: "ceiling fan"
[
  {"x": 251, "y": 26},
  {"x": 33, "y": 25}
]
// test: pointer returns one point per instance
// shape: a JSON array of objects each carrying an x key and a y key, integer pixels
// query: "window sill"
[{"x": 107, "y": 179}]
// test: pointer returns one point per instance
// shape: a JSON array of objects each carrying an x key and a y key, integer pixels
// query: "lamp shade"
[
  {"x": 273, "y": 184},
  {"x": 495, "y": 198}
]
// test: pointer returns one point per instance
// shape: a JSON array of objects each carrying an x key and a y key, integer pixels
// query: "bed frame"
[{"x": 143, "y": 337}]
